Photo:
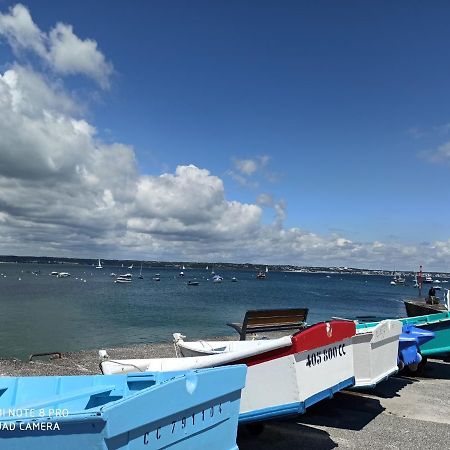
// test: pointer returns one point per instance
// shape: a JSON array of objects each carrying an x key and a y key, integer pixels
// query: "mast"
[{"x": 420, "y": 282}]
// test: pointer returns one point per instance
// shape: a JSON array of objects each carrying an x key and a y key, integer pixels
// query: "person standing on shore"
[{"x": 432, "y": 300}]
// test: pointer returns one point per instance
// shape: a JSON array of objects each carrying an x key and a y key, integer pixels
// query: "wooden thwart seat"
[{"x": 271, "y": 320}]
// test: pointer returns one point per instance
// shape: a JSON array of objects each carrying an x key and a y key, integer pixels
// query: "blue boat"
[
  {"x": 180, "y": 410},
  {"x": 410, "y": 342},
  {"x": 439, "y": 324}
]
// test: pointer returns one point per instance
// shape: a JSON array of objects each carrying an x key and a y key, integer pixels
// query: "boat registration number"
[
  {"x": 327, "y": 354},
  {"x": 186, "y": 424}
]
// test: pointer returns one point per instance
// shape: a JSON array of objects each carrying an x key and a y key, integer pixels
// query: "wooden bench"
[{"x": 271, "y": 320}]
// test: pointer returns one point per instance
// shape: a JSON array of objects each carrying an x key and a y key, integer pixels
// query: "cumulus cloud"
[
  {"x": 61, "y": 49},
  {"x": 438, "y": 155},
  {"x": 65, "y": 192}
]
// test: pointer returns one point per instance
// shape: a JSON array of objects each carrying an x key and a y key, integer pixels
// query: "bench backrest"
[{"x": 274, "y": 318}]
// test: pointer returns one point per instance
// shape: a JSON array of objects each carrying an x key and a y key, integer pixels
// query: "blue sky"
[{"x": 341, "y": 107}]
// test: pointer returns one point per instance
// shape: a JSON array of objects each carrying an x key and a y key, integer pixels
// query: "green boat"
[
  {"x": 440, "y": 325},
  {"x": 437, "y": 323}
]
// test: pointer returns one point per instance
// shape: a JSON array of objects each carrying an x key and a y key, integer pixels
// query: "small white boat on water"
[
  {"x": 217, "y": 279},
  {"x": 63, "y": 274},
  {"x": 428, "y": 279},
  {"x": 53, "y": 274},
  {"x": 99, "y": 265},
  {"x": 127, "y": 278},
  {"x": 284, "y": 375}
]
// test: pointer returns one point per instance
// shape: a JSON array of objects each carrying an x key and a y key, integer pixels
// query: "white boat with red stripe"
[{"x": 284, "y": 375}]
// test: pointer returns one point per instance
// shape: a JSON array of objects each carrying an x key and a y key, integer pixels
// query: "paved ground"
[{"x": 402, "y": 413}]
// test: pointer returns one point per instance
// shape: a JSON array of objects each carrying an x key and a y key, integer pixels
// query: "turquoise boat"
[
  {"x": 439, "y": 324},
  {"x": 177, "y": 410}
]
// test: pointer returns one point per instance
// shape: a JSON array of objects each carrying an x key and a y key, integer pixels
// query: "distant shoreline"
[{"x": 151, "y": 264}]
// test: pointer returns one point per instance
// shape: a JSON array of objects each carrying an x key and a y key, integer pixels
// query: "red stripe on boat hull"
[{"x": 315, "y": 336}]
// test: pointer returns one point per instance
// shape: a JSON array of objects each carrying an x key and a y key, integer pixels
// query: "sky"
[{"x": 305, "y": 133}]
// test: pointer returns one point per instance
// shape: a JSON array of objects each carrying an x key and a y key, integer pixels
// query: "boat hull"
[
  {"x": 416, "y": 308},
  {"x": 439, "y": 324},
  {"x": 281, "y": 381},
  {"x": 375, "y": 353},
  {"x": 198, "y": 409}
]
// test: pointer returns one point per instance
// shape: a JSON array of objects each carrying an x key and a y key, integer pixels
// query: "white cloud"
[
  {"x": 246, "y": 166},
  {"x": 65, "y": 192},
  {"x": 439, "y": 154},
  {"x": 61, "y": 49}
]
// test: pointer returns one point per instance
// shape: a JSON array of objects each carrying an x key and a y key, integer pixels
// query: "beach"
[{"x": 402, "y": 412}]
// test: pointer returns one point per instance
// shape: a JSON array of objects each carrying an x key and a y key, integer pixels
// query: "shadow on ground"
[
  {"x": 347, "y": 410},
  {"x": 285, "y": 435},
  {"x": 389, "y": 388},
  {"x": 437, "y": 369}
]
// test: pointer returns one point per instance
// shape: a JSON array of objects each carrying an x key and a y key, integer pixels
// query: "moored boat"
[
  {"x": 127, "y": 278},
  {"x": 285, "y": 375},
  {"x": 193, "y": 410},
  {"x": 419, "y": 307}
]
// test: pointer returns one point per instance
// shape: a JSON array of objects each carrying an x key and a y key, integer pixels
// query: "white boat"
[
  {"x": 207, "y": 268},
  {"x": 99, "y": 265},
  {"x": 375, "y": 353},
  {"x": 130, "y": 267},
  {"x": 63, "y": 274},
  {"x": 428, "y": 279},
  {"x": 267, "y": 269},
  {"x": 127, "y": 278},
  {"x": 284, "y": 375},
  {"x": 217, "y": 279},
  {"x": 234, "y": 279},
  {"x": 140, "y": 273},
  {"x": 53, "y": 274},
  {"x": 398, "y": 279}
]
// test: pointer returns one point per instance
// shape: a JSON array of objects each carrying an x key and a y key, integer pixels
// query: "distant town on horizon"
[{"x": 202, "y": 264}]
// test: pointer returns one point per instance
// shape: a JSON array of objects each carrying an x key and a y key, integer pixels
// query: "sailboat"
[
  {"x": 130, "y": 267},
  {"x": 207, "y": 268},
  {"x": 99, "y": 265},
  {"x": 267, "y": 269},
  {"x": 140, "y": 273}
]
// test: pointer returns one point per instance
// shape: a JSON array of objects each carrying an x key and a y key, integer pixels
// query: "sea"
[{"x": 43, "y": 313}]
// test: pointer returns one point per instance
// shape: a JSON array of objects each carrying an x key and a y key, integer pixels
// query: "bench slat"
[{"x": 271, "y": 320}]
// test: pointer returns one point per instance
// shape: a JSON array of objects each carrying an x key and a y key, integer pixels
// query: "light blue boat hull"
[{"x": 190, "y": 410}]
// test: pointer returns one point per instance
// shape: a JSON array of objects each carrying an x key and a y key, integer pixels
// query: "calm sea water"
[{"x": 44, "y": 313}]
